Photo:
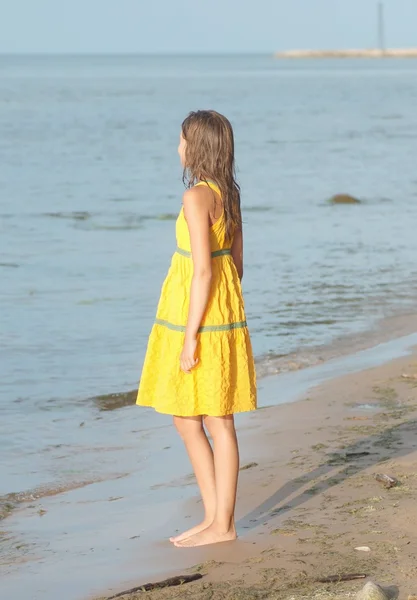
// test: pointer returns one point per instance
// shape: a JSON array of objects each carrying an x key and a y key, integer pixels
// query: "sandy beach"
[{"x": 308, "y": 497}]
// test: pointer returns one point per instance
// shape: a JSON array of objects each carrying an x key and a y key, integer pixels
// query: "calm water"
[{"x": 90, "y": 184}]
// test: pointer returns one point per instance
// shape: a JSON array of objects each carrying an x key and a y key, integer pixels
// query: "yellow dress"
[{"x": 224, "y": 381}]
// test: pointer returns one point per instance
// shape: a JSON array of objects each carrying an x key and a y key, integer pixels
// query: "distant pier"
[{"x": 372, "y": 53}]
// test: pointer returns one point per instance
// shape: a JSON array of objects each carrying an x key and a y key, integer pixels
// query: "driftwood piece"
[
  {"x": 357, "y": 454},
  {"x": 159, "y": 585},
  {"x": 339, "y": 578},
  {"x": 386, "y": 480}
]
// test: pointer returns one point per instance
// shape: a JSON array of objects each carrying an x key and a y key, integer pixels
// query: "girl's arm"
[
  {"x": 197, "y": 216},
  {"x": 237, "y": 252}
]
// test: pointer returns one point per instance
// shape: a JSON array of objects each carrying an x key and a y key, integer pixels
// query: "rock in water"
[
  {"x": 344, "y": 199},
  {"x": 372, "y": 591}
]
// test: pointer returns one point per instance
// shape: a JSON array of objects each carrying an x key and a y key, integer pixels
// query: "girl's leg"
[
  {"x": 201, "y": 456},
  {"x": 226, "y": 461}
]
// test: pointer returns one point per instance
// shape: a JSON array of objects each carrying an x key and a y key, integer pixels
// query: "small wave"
[
  {"x": 127, "y": 223},
  {"x": 73, "y": 216},
  {"x": 9, "y": 265},
  {"x": 256, "y": 209},
  {"x": 401, "y": 136},
  {"x": 393, "y": 117},
  {"x": 91, "y": 301},
  {"x": 166, "y": 217},
  {"x": 275, "y": 364},
  {"x": 382, "y": 200},
  {"x": 161, "y": 217},
  {"x": 330, "y": 288},
  {"x": 108, "y": 222},
  {"x": 11, "y": 501},
  {"x": 306, "y": 323},
  {"x": 122, "y": 199}
]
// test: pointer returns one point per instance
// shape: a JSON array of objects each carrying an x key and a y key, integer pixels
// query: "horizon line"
[{"x": 136, "y": 53}]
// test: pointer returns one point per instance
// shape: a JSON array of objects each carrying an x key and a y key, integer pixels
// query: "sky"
[{"x": 198, "y": 26}]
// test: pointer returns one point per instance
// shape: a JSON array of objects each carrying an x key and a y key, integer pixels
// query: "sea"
[{"x": 91, "y": 185}]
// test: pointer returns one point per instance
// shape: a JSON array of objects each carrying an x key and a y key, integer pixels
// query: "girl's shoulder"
[
  {"x": 196, "y": 198},
  {"x": 201, "y": 193}
]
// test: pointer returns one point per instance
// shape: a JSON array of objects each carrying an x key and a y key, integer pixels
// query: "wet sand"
[{"x": 308, "y": 498}]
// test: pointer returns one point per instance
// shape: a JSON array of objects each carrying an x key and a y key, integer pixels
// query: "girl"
[{"x": 199, "y": 365}]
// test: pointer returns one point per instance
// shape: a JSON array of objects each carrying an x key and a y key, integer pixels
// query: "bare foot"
[
  {"x": 190, "y": 532},
  {"x": 211, "y": 535}
]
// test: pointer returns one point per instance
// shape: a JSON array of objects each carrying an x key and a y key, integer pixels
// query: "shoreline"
[
  {"x": 306, "y": 362},
  {"x": 124, "y": 513},
  {"x": 351, "y": 53},
  {"x": 383, "y": 330}
]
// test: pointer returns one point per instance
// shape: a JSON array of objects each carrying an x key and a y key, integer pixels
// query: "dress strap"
[{"x": 210, "y": 184}]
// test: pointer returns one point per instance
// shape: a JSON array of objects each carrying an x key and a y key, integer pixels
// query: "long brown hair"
[{"x": 210, "y": 156}]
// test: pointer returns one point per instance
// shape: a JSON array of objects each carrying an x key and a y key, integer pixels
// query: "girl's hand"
[{"x": 187, "y": 359}]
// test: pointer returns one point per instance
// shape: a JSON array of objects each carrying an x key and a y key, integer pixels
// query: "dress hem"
[{"x": 197, "y": 414}]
